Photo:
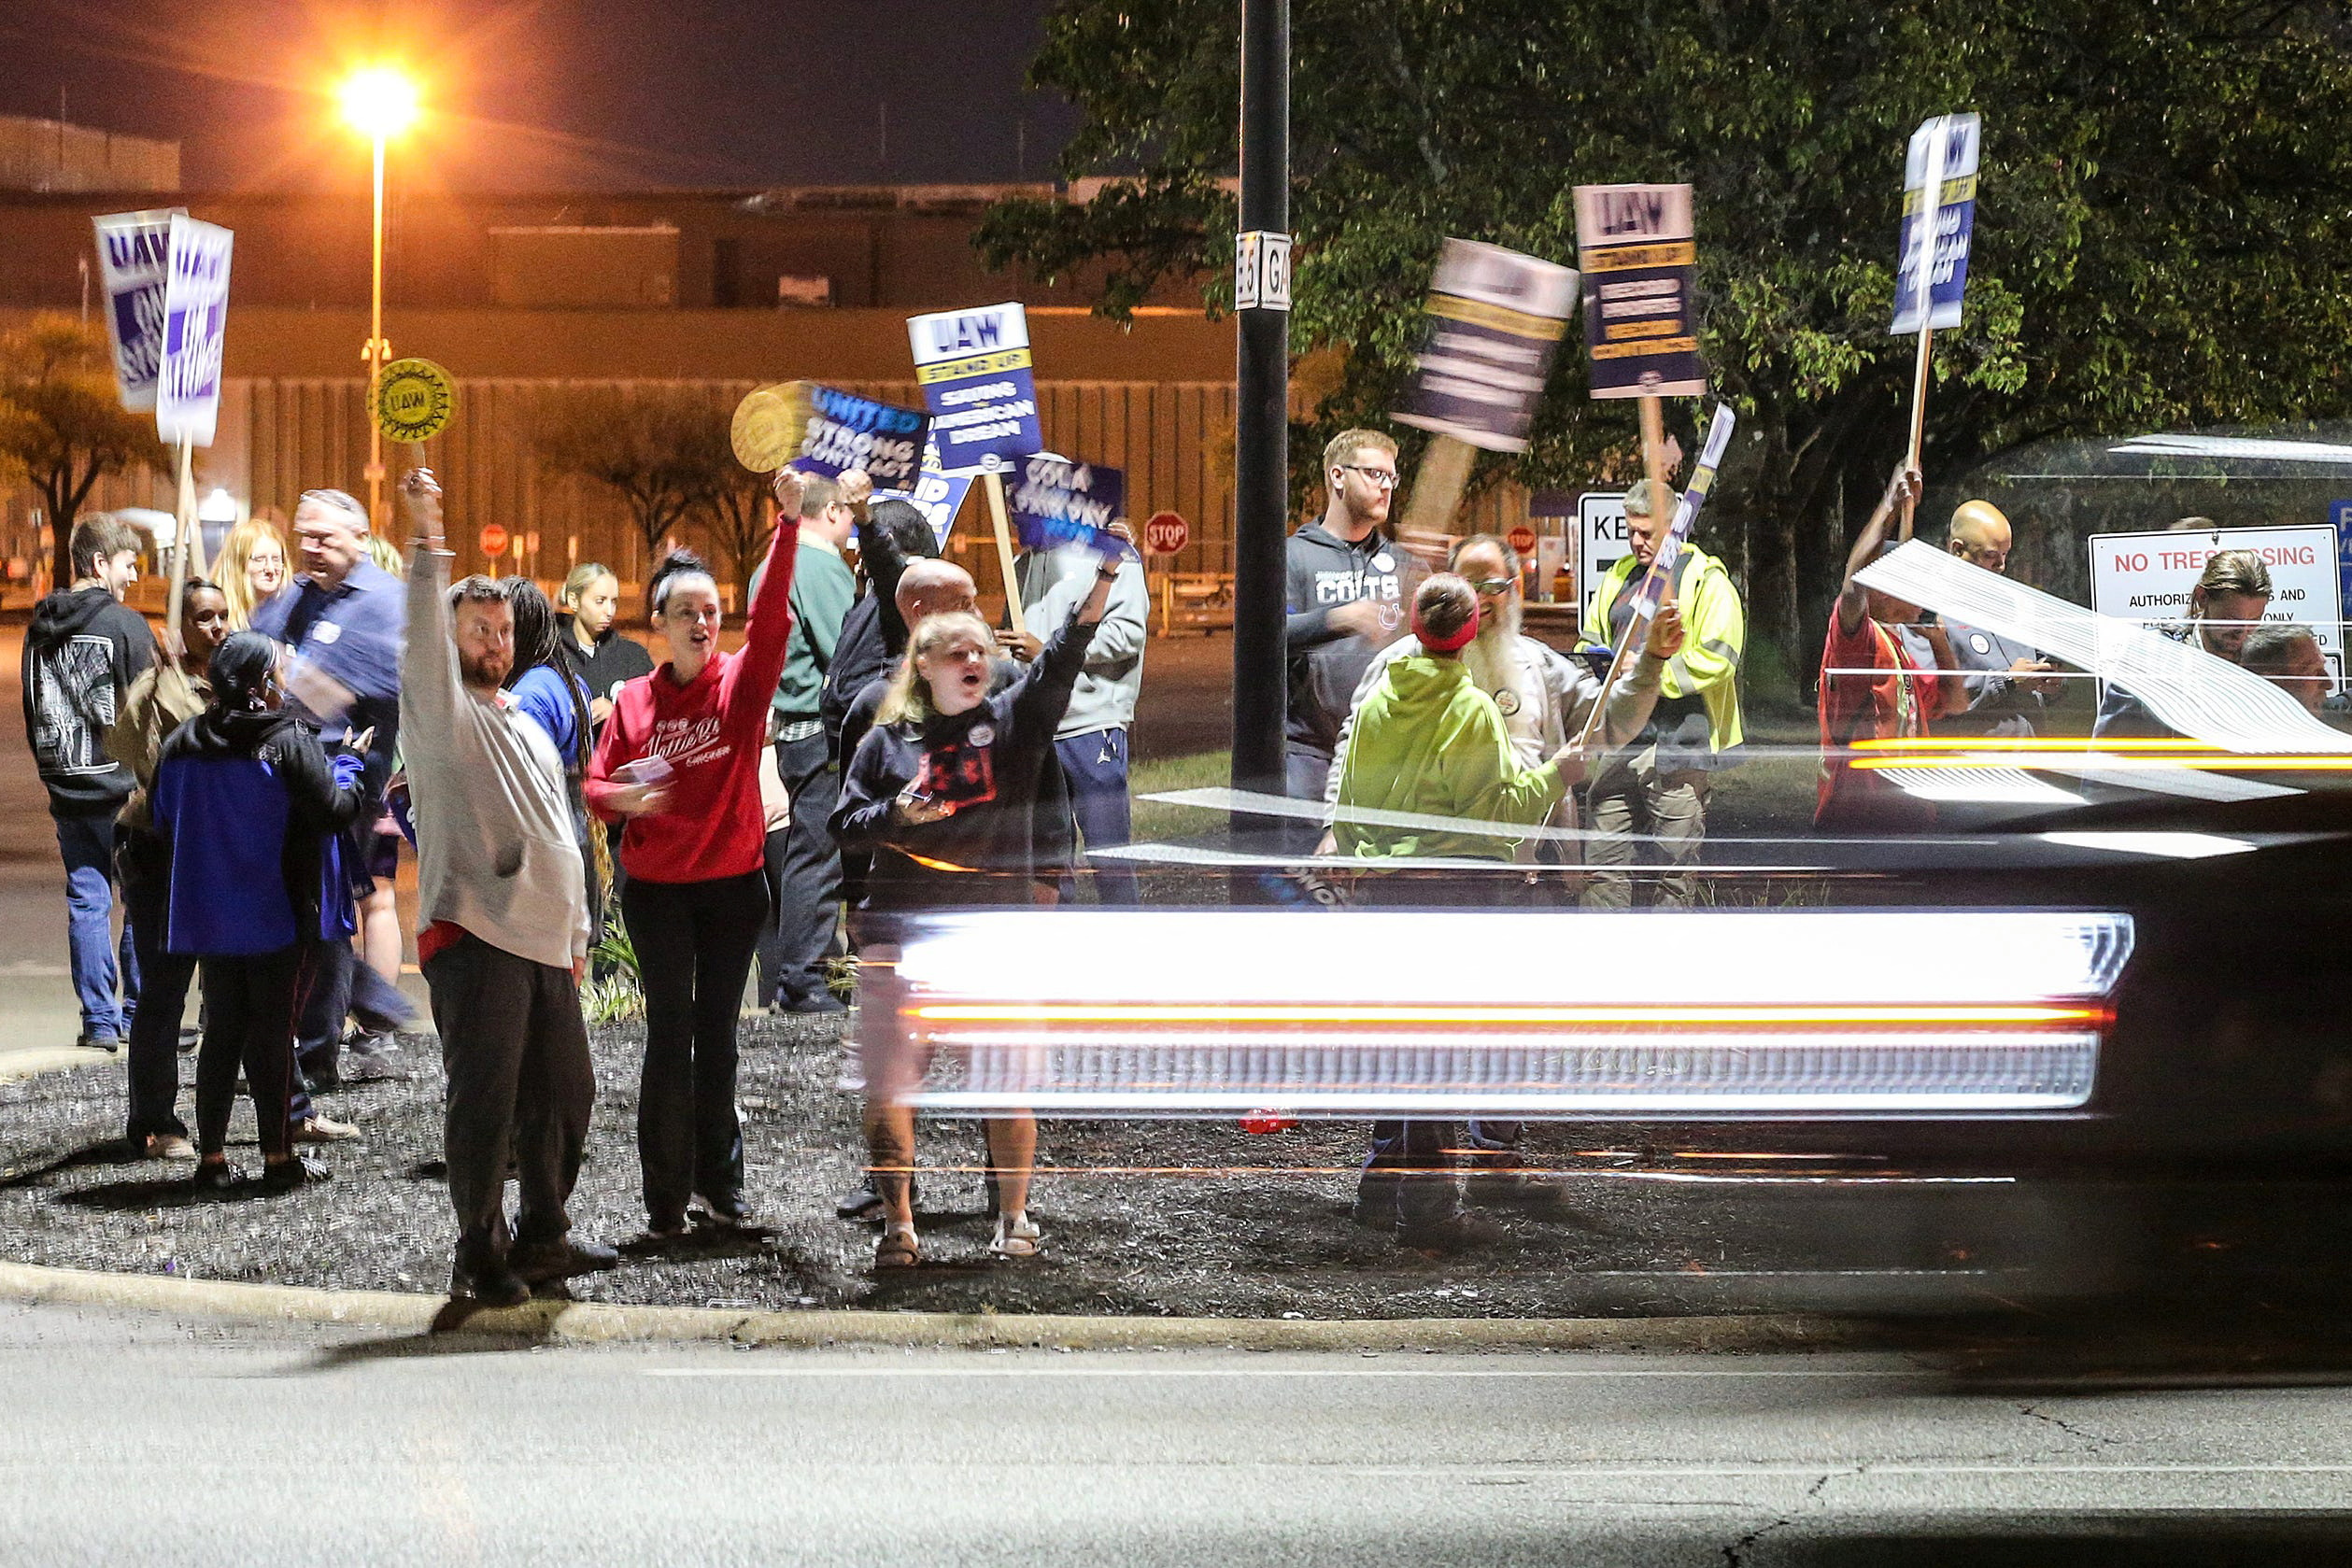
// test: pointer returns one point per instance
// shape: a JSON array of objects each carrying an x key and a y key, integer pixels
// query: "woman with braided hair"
[{"x": 548, "y": 692}]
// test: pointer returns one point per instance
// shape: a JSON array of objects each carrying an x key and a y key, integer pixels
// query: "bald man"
[{"x": 2002, "y": 699}]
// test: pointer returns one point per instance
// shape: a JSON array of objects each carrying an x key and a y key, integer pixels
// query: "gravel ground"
[{"x": 1141, "y": 1218}]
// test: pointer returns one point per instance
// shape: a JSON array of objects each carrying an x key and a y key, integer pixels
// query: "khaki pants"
[{"x": 1631, "y": 801}]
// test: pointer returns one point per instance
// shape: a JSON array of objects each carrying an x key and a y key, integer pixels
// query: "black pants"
[
  {"x": 248, "y": 1023},
  {"x": 144, "y": 868},
  {"x": 812, "y": 873},
  {"x": 515, "y": 1052},
  {"x": 694, "y": 942}
]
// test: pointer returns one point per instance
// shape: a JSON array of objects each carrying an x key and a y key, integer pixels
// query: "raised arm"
[
  {"x": 768, "y": 624},
  {"x": 1903, "y": 493},
  {"x": 1043, "y": 696},
  {"x": 428, "y": 658}
]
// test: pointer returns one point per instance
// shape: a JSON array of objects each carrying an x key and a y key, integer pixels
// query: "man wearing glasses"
[
  {"x": 1345, "y": 583},
  {"x": 2004, "y": 696}
]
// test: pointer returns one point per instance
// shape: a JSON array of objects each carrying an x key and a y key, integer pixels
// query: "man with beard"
[
  {"x": 1545, "y": 700},
  {"x": 1656, "y": 787},
  {"x": 502, "y": 928}
]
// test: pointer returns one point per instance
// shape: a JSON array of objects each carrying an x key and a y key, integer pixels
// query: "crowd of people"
[{"x": 868, "y": 749}]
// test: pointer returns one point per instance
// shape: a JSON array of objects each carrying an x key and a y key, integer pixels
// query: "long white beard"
[{"x": 1492, "y": 656}]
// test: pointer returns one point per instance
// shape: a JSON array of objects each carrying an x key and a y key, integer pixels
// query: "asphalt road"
[{"x": 136, "y": 1438}]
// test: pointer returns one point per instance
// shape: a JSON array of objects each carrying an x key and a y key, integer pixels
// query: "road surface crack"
[
  {"x": 2093, "y": 1438},
  {"x": 1735, "y": 1555}
]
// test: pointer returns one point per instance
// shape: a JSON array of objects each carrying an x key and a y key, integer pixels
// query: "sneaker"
[
  {"x": 370, "y": 1059},
  {"x": 1457, "y": 1232},
  {"x": 324, "y": 1129},
  {"x": 659, "y": 1236},
  {"x": 860, "y": 1202},
  {"x": 99, "y": 1040},
  {"x": 284, "y": 1176},
  {"x": 537, "y": 1262},
  {"x": 814, "y": 1003},
  {"x": 166, "y": 1146},
  {"x": 728, "y": 1213},
  {"x": 1526, "y": 1191},
  {"x": 213, "y": 1176},
  {"x": 489, "y": 1282},
  {"x": 189, "y": 1039}
]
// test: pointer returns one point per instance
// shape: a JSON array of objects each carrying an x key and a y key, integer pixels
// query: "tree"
[
  {"x": 2163, "y": 208},
  {"x": 63, "y": 424},
  {"x": 735, "y": 509},
  {"x": 665, "y": 450}
]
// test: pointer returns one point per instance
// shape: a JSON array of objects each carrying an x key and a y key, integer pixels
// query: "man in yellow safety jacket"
[{"x": 1656, "y": 786}]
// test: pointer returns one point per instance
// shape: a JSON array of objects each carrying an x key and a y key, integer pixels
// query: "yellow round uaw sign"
[
  {"x": 770, "y": 424},
  {"x": 413, "y": 400}
]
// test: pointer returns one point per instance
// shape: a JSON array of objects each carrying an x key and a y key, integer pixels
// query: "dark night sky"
[{"x": 553, "y": 94}]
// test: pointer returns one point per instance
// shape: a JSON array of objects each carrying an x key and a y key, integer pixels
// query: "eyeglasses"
[
  {"x": 1383, "y": 478},
  {"x": 1494, "y": 584}
]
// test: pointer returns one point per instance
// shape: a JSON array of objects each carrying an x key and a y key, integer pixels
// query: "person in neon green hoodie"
[{"x": 1428, "y": 741}]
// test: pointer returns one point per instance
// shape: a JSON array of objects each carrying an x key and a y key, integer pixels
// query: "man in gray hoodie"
[{"x": 502, "y": 928}]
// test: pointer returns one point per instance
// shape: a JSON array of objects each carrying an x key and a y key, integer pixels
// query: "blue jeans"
[
  {"x": 1096, "y": 765},
  {"x": 99, "y": 964}
]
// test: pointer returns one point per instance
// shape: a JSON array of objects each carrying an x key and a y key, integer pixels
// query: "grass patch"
[{"x": 1156, "y": 822}]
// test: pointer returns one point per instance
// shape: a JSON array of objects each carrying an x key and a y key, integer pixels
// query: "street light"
[{"x": 378, "y": 103}]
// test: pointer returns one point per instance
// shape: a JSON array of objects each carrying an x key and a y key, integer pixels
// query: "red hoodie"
[{"x": 712, "y": 730}]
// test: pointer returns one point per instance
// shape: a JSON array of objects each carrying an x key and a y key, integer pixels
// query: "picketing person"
[
  {"x": 1092, "y": 741},
  {"x": 679, "y": 765},
  {"x": 2005, "y": 687},
  {"x": 941, "y": 793},
  {"x": 503, "y": 924},
  {"x": 892, "y": 536},
  {"x": 792, "y": 974},
  {"x": 1343, "y": 582},
  {"x": 341, "y": 620},
  {"x": 593, "y": 645},
  {"x": 255, "y": 819},
  {"x": 1428, "y": 742},
  {"x": 1654, "y": 790},
  {"x": 169, "y": 692},
  {"x": 2229, "y": 602},
  {"x": 251, "y": 569},
  {"x": 1875, "y": 685},
  {"x": 81, "y": 653},
  {"x": 551, "y": 696}
]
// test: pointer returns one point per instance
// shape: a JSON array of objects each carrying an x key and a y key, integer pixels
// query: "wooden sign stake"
[
  {"x": 184, "y": 539},
  {"x": 1444, "y": 475},
  {"x": 997, "y": 514}
]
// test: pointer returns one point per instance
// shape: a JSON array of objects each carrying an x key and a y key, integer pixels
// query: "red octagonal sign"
[
  {"x": 494, "y": 537},
  {"x": 1523, "y": 538},
  {"x": 1166, "y": 534}
]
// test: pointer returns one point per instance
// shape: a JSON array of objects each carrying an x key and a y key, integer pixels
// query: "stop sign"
[
  {"x": 1166, "y": 534},
  {"x": 493, "y": 540},
  {"x": 1523, "y": 538}
]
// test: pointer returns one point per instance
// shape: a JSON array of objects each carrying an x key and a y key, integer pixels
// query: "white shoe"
[
  {"x": 1017, "y": 1236},
  {"x": 324, "y": 1129}
]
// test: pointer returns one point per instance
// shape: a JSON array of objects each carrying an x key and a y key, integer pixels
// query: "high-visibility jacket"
[{"x": 1714, "y": 637}]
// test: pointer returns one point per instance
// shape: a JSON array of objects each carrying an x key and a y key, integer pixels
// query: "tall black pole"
[{"x": 1261, "y": 443}]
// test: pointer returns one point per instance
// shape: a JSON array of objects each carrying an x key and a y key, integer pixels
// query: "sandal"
[
  {"x": 1017, "y": 1236},
  {"x": 897, "y": 1249}
]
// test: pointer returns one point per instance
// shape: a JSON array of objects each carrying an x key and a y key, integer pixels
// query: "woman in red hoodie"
[{"x": 679, "y": 764}]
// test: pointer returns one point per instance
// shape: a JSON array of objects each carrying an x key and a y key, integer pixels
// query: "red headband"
[{"x": 1453, "y": 644}]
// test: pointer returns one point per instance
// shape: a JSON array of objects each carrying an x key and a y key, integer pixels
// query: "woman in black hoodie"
[
  {"x": 941, "y": 793},
  {"x": 593, "y": 648},
  {"x": 251, "y": 813}
]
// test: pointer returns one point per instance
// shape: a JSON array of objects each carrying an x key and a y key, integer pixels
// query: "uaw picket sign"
[
  {"x": 936, "y": 493},
  {"x": 2148, "y": 577},
  {"x": 134, "y": 250},
  {"x": 1953, "y": 223},
  {"x": 1056, "y": 501},
  {"x": 1634, "y": 243},
  {"x": 1494, "y": 318},
  {"x": 196, "y": 331},
  {"x": 975, "y": 367},
  {"x": 413, "y": 400}
]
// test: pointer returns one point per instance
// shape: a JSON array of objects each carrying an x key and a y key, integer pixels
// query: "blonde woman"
[
  {"x": 942, "y": 794},
  {"x": 251, "y": 569}
]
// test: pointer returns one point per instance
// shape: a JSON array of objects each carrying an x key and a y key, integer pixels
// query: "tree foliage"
[
  {"x": 63, "y": 424},
  {"x": 663, "y": 450},
  {"x": 2166, "y": 197}
]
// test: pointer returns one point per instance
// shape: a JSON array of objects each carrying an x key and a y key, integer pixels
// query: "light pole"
[
  {"x": 1261, "y": 500},
  {"x": 379, "y": 103}
]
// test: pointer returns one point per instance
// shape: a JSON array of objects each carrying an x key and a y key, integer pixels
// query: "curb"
[{"x": 602, "y": 1323}]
